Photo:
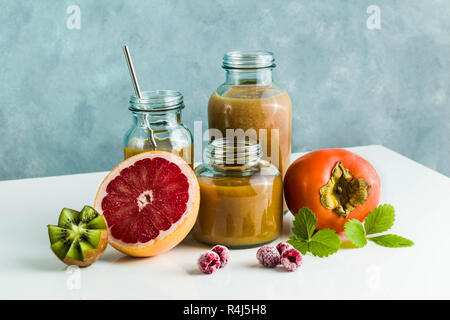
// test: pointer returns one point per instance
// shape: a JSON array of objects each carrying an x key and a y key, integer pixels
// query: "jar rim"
[
  {"x": 157, "y": 100},
  {"x": 233, "y": 152},
  {"x": 248, "y": 59}
]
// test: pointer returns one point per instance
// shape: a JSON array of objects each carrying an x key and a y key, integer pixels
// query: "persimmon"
[{"x": 336, "y": 184}]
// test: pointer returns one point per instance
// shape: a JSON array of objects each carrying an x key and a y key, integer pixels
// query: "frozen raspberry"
[
  {"x": 283, "y": 246},
  {"x": 268, "y": 256},
  {"x": 209, "y": 262},
  {"x": 224, "y": 254},
  {"x": 291, "y": 259}
]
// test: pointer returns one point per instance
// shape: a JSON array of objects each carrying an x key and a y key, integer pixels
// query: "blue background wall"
[{"x": 64, "y": 93}]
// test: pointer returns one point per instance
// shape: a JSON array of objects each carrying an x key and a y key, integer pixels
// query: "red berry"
[
  {"x": 209, "y": 262},
  {"x": 224, "y": 254},
  {"x": 283, "y": 246},
  {"x": 268, "y": 256},
  {"x": 291, "y": 259}
]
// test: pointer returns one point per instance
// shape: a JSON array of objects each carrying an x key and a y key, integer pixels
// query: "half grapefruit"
[{"x": 150, "y": 203}]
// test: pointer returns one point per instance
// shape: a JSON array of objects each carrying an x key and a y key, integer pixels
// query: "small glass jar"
[
  {"x": 241, "y": 196},
  {"x": 157, "y": 125}
]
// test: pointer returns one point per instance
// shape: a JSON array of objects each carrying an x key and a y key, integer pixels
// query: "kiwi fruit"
[{"x": 80, "y": 237}]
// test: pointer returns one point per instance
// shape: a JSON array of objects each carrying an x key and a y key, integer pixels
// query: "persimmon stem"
[{"x": 343, "y": 193}]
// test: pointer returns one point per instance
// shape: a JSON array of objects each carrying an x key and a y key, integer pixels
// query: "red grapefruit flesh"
[{"x": 150, "y": 203}]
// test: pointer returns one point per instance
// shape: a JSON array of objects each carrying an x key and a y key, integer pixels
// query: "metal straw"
[
  {"x": 138, "y": 92},
  {"x": 132, "y": 73}
]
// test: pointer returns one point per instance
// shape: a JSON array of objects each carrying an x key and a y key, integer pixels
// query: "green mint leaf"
[
  {"x": 305, "y": 223},
  {"x": 299, "y": 244},
  {"x": 392, "y": 241},
  {"x": 324, "y": 242},
  {"x": 354, "y": 231},
  {"x": 380, "y": 219}
]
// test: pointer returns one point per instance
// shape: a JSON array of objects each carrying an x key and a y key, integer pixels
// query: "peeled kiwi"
[{"x": 80, "y": 237}]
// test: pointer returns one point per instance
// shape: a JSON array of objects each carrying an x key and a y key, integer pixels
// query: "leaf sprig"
[
  {"x": 325, "y": 242},
  {"x": 321, "y": 243},
  {"x": 381, "y": 219}
]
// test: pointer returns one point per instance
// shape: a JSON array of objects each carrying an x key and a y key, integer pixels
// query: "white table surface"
[{"x": 421, "y": 197}]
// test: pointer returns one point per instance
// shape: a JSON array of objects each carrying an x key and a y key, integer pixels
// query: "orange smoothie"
[
  {"x": 240, "y": 211},
  {"x": 256, "y": 107}
]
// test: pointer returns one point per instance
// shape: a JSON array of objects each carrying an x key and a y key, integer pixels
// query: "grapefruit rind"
[{"x": 169, "y": 238}]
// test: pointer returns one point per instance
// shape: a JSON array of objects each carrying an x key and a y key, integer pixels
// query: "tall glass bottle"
[{"x": 250, "y": 100}]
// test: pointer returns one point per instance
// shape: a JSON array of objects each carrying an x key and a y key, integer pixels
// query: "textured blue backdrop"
[{"x": 64, "y": 93}]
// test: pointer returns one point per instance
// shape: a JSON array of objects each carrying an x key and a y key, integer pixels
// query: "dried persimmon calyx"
[{"x": 343, "y": 193}]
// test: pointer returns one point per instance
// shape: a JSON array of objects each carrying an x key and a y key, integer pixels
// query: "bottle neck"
[
  {"x": 157, "y": 120},
  {"x": 230, "y": 155},
  {"x": 258, "y": 77}
]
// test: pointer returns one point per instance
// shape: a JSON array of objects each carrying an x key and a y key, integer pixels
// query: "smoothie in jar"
[
  {"x": 256, "y": 108},
  {"x": 241, "y": 204},
  {"x": 157, "y": 125}
]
